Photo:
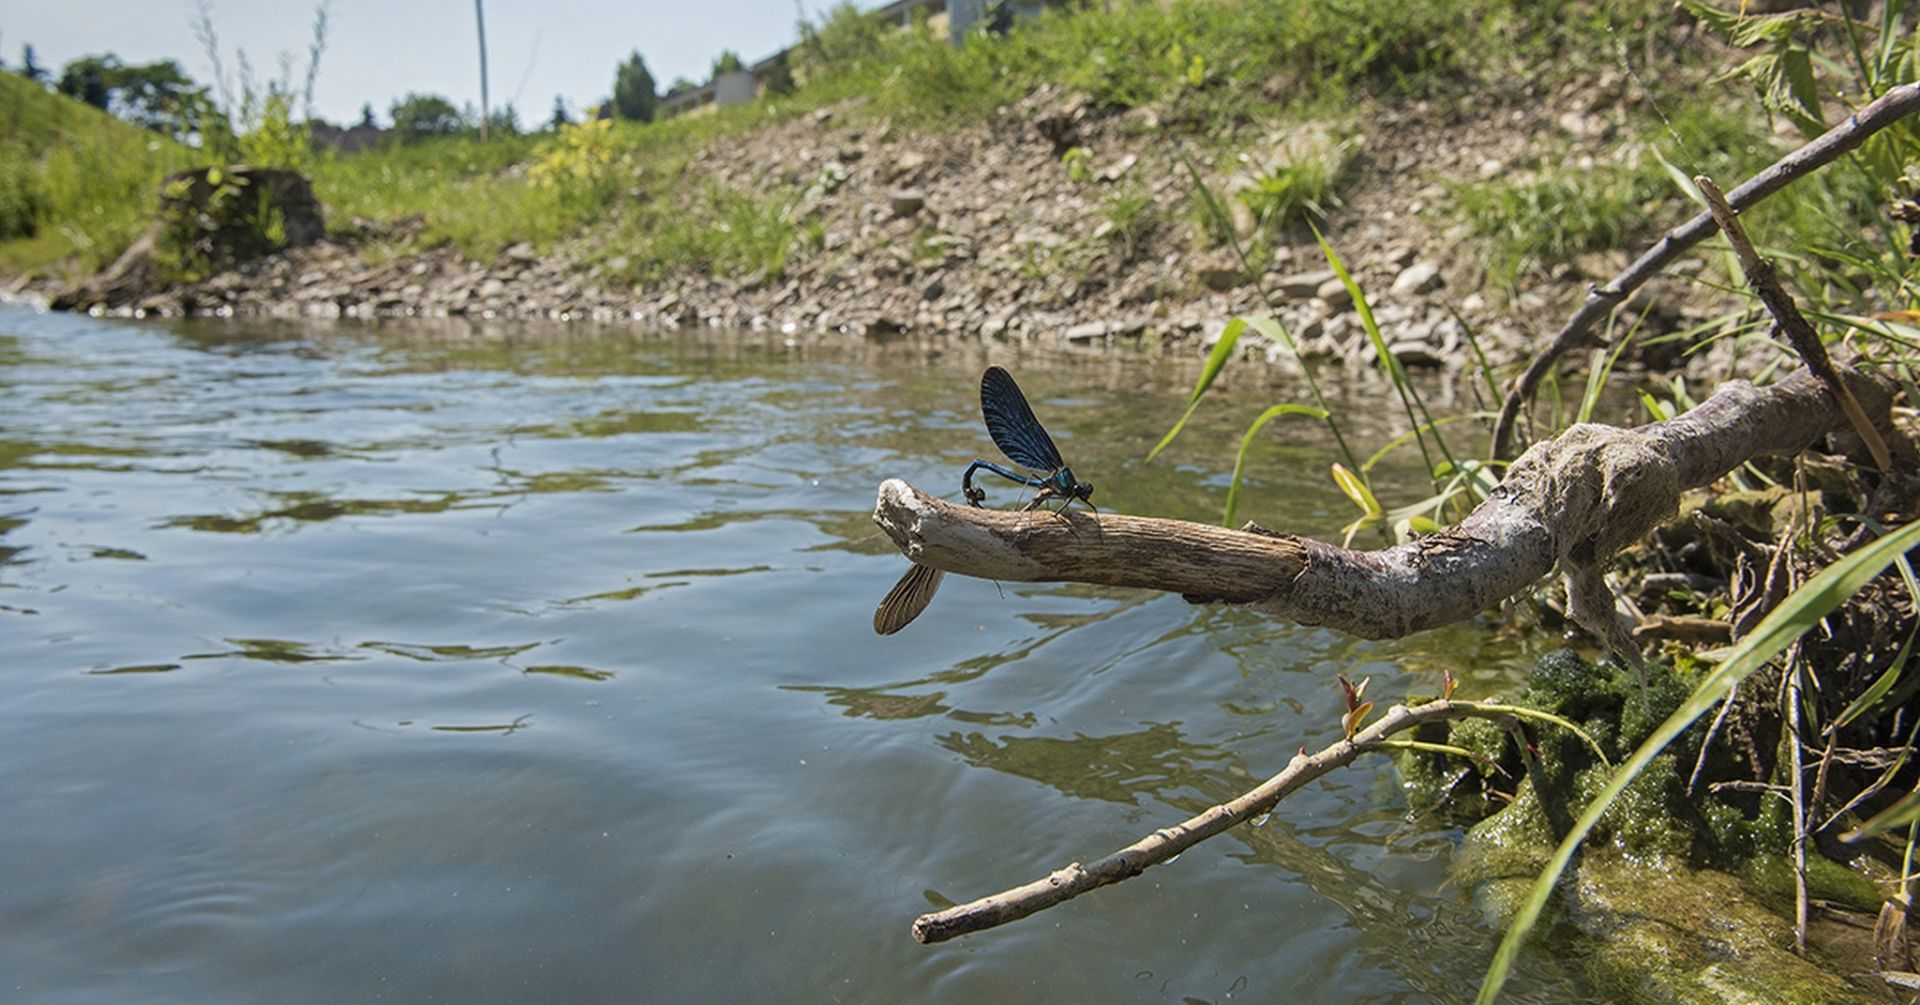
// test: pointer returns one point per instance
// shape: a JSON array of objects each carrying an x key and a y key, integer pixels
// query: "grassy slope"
[
  {"x": 87, "y": 179},
  {"x": 1221, "y": 72}
]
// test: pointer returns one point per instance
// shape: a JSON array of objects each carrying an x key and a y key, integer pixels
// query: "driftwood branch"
[
  {"x": 1889, "y": 108},
  {"x": 1568, "y": 504},
  {"x": 1162, "y": 845}
]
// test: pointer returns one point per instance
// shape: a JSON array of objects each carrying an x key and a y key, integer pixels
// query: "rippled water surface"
[{"x": 420, "y": 663}]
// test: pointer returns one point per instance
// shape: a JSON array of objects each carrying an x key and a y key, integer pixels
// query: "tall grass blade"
[
  {"x": 1388, "y": 361},
  {"x": 1270, "y": 327},
  {"x": 1799, "y": 612},
  {"x": 1240, "y": 458},
  {"x": 1216, "y": 361}
]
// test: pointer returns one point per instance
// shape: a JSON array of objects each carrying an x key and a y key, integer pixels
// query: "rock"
[
  {"x": 905, "y": 202},
  {"x": 1062, "y": 129},
  {"x": 1219, "y": 274},
  {"x": 1584, "y": 126},
  {"x": 934, "y": 290},
  {"x": 1600, "y": 266},
  {"x": 1118, "y": 169},
  {"x": 1417, "y": 278},
  {"x": 1335, "y": 294},
  {"x": 1090, "y": 331},
  {"x": 1413, "y": 353},
  {"x": 907, "y": 167},
  {"x": 1301, "y": 285},
  {"x": 522, "y": 254}
]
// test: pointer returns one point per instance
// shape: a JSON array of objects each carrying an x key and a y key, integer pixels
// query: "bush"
[{"x": 23, "y": 201}]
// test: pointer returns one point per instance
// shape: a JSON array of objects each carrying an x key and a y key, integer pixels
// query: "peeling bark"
[{"x": 1568, "y": 504}]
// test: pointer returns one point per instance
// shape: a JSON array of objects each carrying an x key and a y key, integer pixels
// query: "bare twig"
[
  {"x": 1683, "y": 628},
  {"x": 1797, "y": 792},
  {"x": 1064, "y": 884},
  {"x": 1713, "y": 731},
  {"x": 1576, "y": 333},
  {"x": 1787, "y": 317}
]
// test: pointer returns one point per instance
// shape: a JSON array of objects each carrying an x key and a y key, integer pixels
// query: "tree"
[
  {"x": 158, "y": 96},
  {"x": 727, "y": 62},
  {"x": 681, "y": 84},
  {"x": 560, "y": 116},
  {"x": 29, "y": 68},
  {"x": 366, "y": 117},
  {"x": 418, "y": 116},
  {"x": 633, "y": 96},
  {"x": 505, "y": 120},
  {"x": 89, "y": 79},
  {"x": 777, "y": 76}
]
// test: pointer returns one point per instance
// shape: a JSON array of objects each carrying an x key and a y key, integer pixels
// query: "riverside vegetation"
[{"x": 1368, "y": 184}]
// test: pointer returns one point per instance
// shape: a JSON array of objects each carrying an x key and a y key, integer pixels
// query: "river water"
[{"x": 426, "y": 663}]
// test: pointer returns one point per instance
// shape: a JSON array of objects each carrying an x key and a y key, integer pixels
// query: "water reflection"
[{"x": 1155, "y": 761}]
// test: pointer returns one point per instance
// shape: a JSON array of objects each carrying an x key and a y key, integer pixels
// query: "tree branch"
[
  {"x": 1568, "y": 504},
  {"x": 1788, "y": 319},
  {"x": 1889, "y": 108},
  {"x": 1064, "y": 884}
]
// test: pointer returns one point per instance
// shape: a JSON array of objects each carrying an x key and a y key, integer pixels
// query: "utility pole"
[{"x": 480, "y": 20}]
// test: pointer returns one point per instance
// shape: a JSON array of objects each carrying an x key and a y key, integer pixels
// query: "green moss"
[
  {"x": 1771, "y": 876},
  {"x": 1687, "y": 937},
  {"x": 1651, "y": 819},
  {"x": 1642, "y": 709},
  {"x": 1482, "y": 738},
  {"x": 1561, "y": 683},
  {"x": 1513, "y": 843}
]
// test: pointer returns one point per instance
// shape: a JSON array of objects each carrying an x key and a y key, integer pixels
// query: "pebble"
[{"x": 1417, "y": 278}]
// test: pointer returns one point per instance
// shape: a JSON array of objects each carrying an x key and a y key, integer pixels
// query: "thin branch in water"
[{"x": 1167, "y": 843}]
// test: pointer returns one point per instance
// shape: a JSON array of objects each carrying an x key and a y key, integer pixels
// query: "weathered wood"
[{"x": 1568, "y": 504}]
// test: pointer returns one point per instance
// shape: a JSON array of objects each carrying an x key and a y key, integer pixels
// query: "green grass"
[
  {"x": 1551, "y": 213},
  {"x": 1217, "y": 60},
  {"x": 79, "y": 185}
]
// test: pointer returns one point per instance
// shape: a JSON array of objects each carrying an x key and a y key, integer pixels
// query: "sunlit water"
[{"x": 421, "y": 664}]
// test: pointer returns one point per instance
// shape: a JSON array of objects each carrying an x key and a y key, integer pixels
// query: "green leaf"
[
  {"x": 1388, "y": 361},
  {"x": 1216, "y": 361},
  {"x": 1658, "y": 411},
  {"x": 1422, "y": 525},
  {"x": 1357, "y": 491},
  {"x": 1800, "y": 611},
  {"x": 1246, "y": 441},
  {"x": 1900, "y": 814}
]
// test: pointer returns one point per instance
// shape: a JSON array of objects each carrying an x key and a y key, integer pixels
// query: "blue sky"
[{"x": 379, "y": 50}]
